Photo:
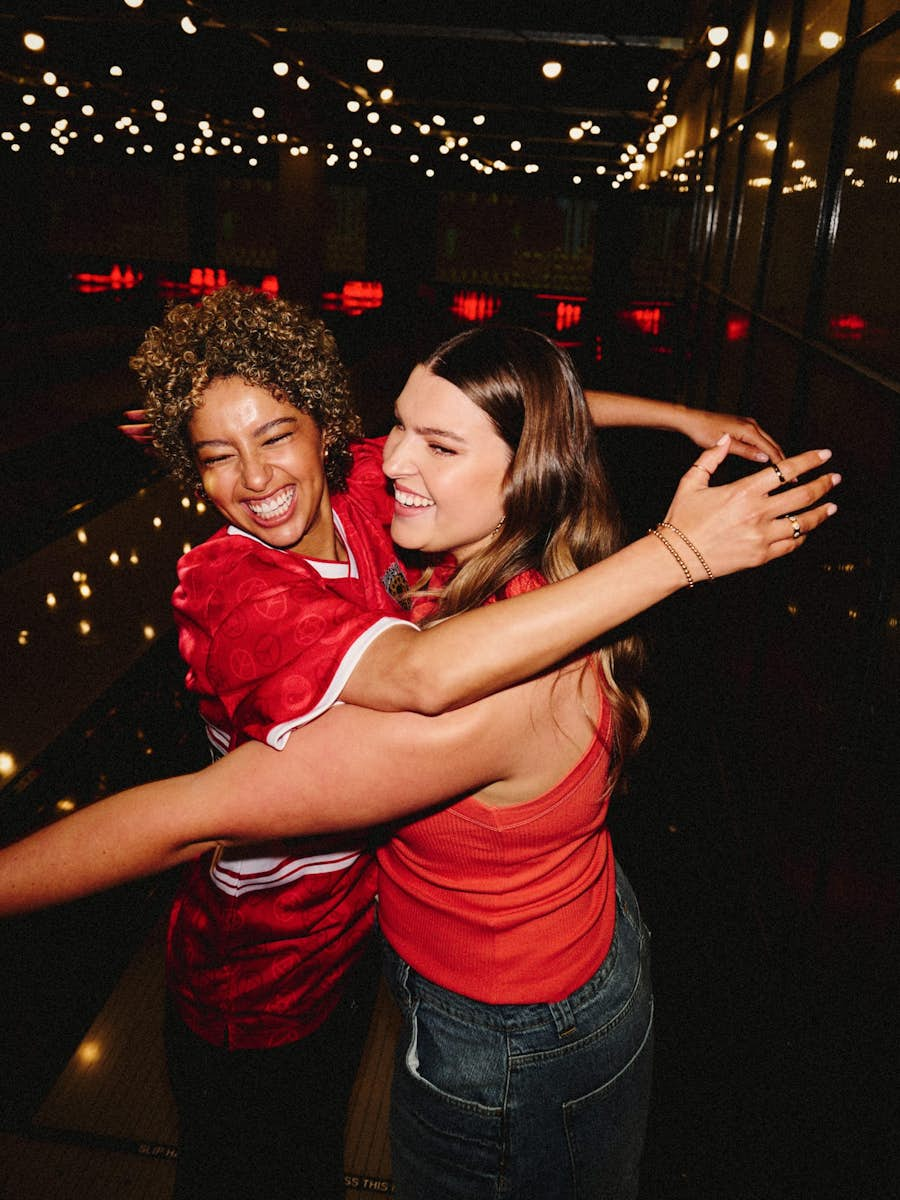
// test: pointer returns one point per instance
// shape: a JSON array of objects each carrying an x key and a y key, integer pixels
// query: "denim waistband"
[{"x": 561, "y": 1013}]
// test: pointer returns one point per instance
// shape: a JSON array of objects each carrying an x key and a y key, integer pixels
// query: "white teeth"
[
  {"x": 272, "y": 506},
  {"x": 409, "y": 500}
]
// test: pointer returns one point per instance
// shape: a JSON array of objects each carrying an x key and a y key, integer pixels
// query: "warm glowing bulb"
[
  {"x": 576, "y": 133},
  {"x": 88, "y": 1052},
  {"x": 375, "y": 65},
  {"x": 670, "y": 120},
  {"x": 34, "y": 41},
  {"x": 718, "y": 35},
  {"x": 714, "y": 59},
  {"x": 829, "y": 40},
  {"x": 652, "y": 84},
  {"x": 7, "y": 764},
  {"x": 552, "y": 69},
  {"x": 280, "y": 68},
  {"x": 188, "y": 25}
]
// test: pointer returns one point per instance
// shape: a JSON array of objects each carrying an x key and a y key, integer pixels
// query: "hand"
[
  {"x": 747, "y": 439},
  {"x": 137, "y": 432},
  {"x": 741, "y": 525}
]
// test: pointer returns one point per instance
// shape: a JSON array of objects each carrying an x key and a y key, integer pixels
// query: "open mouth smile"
[
  {"x": 274, "y": 507},
  {"x": 411, "y": 500}
]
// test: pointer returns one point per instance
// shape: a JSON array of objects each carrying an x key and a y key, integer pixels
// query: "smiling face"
[
  {"x": 261, "y": 462},
  {"x": 448, "y": 465}
]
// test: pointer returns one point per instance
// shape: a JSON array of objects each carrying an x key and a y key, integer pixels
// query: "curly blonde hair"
[{"x": 265, "y": 341}]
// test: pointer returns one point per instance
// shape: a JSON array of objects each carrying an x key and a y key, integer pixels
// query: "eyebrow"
[
  {"x": 260, "y": 431},
  {"x": 433, "y": 431}
]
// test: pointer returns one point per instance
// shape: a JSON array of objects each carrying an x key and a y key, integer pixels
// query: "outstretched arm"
[
  {"x": 748, "y": 440},
  {"x": 735, "y": 526},
  {"x": 351, "y": 768}
]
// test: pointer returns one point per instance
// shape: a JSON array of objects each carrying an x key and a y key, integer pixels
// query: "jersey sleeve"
[
  {"x": 276, "y": 649},
  {"x": 367, "y": 484}
]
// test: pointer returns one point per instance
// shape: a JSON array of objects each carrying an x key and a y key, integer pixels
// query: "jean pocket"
[{"x": 464, "y": 1065}]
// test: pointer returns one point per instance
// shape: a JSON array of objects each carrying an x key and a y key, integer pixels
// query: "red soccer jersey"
[{"x": 260, "y": 939}]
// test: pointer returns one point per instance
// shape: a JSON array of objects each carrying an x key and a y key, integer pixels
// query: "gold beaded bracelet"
[
  {"x": 671, "y": 549},
  {"x": 690, "y": 545}
]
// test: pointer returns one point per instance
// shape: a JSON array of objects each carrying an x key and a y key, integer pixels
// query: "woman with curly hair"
[{"x": 514, "y": 945}]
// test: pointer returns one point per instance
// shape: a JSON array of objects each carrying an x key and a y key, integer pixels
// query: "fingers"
[
  {"x": 135, "y": 414},
  {"x": 787, "y": 470},
  {"x": 796, "y": 528},
  {"x": 751, "y": 442},
  {"x": 137, "y": 433},
  {"x": 701, "y": 470}
]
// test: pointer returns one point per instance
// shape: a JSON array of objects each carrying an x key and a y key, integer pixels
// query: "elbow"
[{"x": 427, "y": 693}]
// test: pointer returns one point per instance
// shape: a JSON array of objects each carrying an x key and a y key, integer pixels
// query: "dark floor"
[{"x": 774, "y": 1050}]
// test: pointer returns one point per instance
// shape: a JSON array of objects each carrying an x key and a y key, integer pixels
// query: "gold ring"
[
  {"x": 697, "y": 467},
  {"x": 775, "y": 467},
  {"x": 796, "y": 524}
]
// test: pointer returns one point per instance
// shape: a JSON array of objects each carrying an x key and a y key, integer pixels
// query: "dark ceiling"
[{"x": 459, "y": 62}]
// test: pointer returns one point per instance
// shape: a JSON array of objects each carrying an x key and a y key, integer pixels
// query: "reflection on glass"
[
  {"x": 737, "y": 101},
  {"x": 721, "y": 209},
  {"x": 757, "y": 184},
  {"x": 732, "y": 357},
  {"x": 877, "y": 10},
  {"x": 823, "y": 32},
  {"x": 797, "y": 204},
  {"x": 770, "y": 72},
  {"x": 861, "y": 310}
]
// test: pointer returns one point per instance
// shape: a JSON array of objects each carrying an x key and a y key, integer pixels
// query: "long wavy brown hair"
[
  {"x": 560, "y": 514},
  {"x": 267, "y": 342}
]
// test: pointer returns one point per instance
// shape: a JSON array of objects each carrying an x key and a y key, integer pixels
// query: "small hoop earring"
[{"x": 497, "y": 527}]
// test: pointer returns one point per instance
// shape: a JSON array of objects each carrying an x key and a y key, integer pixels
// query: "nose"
[
  {"x": 396, "y": 458},
  {"x": 256, "y": 472}
]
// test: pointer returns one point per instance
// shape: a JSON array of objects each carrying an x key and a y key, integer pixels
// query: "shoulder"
[{"x": 367, "y": 487}]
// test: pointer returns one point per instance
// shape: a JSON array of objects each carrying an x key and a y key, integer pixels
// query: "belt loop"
[{"x": 563, "y": 1017}]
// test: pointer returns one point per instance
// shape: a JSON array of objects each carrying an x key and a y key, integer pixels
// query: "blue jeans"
[{"x": 526, "y": 1101}]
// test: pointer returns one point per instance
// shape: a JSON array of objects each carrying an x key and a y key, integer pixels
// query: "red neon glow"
[
  {"x": 847, "y": 327},
  {"x": 567, "y": 315},
  {"x": 114, "y": 280},
  {"x": 475, "y": 306},
  {"x": 355, "y": 297},
  {"x": 269, "y": 284},
  {"x": 646, "y": 320},
  {"x": 737, "y": 329}
]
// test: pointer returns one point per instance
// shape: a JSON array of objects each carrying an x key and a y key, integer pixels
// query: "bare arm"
[
  {"x": 735, "y": 526},
  {"x": 351, "y": 768},
  {"x": 704, "y": 428}
]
